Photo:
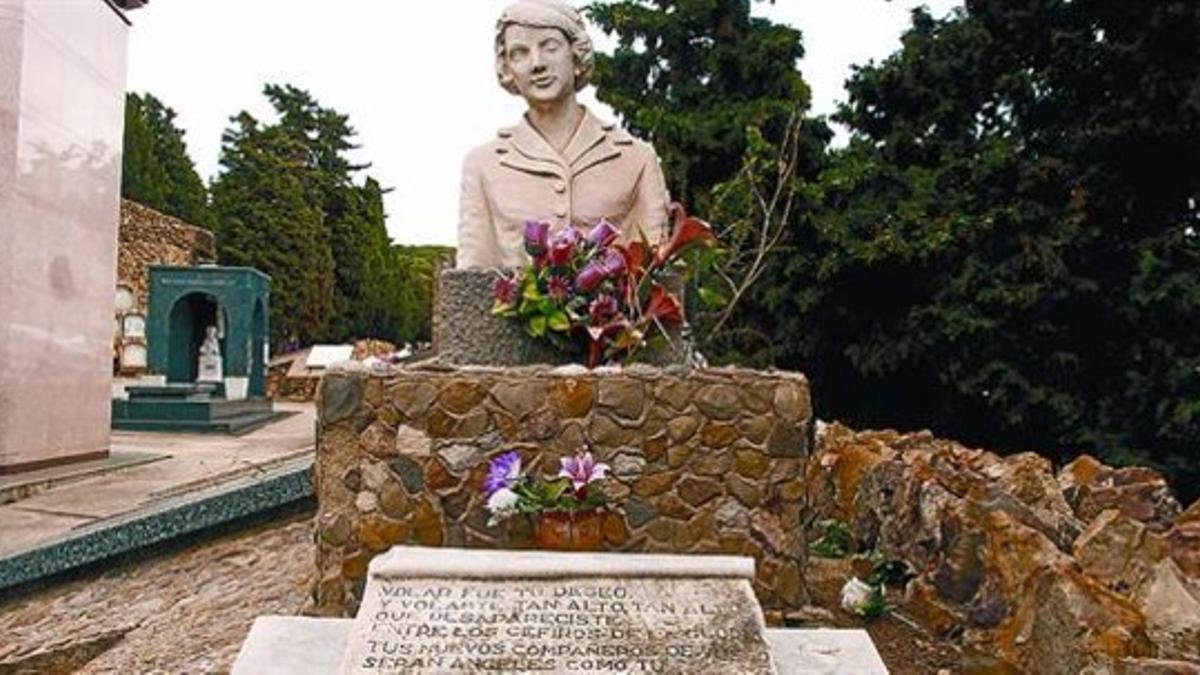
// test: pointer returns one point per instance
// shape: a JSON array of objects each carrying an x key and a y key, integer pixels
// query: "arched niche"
[{"x": 184, "y": 301}]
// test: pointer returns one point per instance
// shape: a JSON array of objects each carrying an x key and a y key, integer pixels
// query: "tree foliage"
[
  {"x": 156, "y": 169},
  {"x": 718, "y": 93},
  {"x": 290, "y": 203},
  {"x": 694, "y": 77},
  {"x": 266, "y": 218},
  {"x": 1007, "y": 250}
]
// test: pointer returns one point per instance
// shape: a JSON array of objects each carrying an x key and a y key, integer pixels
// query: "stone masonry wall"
[
  {"x": 1091, "y": 569},
  {"x": 148, "y": 237},
  {"x": 704, "y": 461}
]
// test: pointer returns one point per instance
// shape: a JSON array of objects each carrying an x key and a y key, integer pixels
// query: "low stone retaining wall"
[
  {"x": 1090, "y": 569},
  {"x": 704, "y": 461}
]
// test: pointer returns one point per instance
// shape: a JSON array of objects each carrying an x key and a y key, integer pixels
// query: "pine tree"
[
  {"x": 157, "y": 170},
  {"x": 353, "y": 215}
]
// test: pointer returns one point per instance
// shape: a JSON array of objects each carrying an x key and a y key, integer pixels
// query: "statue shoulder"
[
  {"x": 639, "y": 148},
  {"x": 478, "y": 156}
]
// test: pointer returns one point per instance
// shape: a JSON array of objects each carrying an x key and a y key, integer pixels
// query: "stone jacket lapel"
[{"x": 603, "y": 172}]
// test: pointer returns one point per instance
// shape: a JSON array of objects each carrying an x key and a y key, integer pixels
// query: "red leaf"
[{"x": 635, "y": 258}]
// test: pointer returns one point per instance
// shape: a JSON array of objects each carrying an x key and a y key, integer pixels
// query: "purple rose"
[
  {"x": 537, "y": 234},
  {"x": 603, "y": 234}
]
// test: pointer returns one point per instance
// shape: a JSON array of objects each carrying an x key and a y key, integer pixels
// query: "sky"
[{"x": 416, "y": 78}]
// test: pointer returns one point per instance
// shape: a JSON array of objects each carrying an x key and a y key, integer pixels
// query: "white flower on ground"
[{"x": 854, "y": 594}]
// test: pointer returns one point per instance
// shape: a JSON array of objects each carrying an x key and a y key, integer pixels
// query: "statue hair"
[{"x": 547, "y": 14}]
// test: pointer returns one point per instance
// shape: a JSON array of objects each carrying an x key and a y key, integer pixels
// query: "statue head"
[{"x": 525, "y": 42}]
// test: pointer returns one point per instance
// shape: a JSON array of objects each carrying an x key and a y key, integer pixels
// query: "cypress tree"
[
  {"x": 156, "y": 169},
  {"x": 266, "y": 220}
]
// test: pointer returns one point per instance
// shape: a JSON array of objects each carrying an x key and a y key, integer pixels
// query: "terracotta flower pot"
[{"x": 563, "y": 531}]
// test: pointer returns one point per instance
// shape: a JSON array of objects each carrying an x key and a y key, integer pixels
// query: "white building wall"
[{"x": 62, "y": 92}]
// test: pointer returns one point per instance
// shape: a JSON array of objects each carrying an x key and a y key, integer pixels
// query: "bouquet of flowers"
[
  {"x": 575, "y": 489},
  {"x": 589, "y": 293}
]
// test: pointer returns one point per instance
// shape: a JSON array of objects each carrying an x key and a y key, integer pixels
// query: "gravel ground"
[{"x": 184, "y": 611}]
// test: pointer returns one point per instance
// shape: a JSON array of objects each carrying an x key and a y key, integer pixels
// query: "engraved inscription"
[{"x": 559, "y": 626}]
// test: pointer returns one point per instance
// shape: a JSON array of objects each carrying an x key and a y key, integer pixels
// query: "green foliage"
[
  {"x": 266, "y": 219},
  {"x": 156, "y": 169},
  {"x": 835, "y": 542},
  {"x": 545, "y": 495},
  {"x": 288, "y": 203},
  {"x": 875, "y": 604},
  {"x": 718, "y": 93},
  {"x": 414, "y": 271},
  {"x": 1007, "y": 250},
  {"x": 692, "y": 76}
]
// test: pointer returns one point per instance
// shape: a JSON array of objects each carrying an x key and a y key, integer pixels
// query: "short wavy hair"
[{"x": 547, "y": 14}]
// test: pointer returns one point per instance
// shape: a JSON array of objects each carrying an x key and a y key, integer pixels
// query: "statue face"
[{"x": 540, "y": 62}]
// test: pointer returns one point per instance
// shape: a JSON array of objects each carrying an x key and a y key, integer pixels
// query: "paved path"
[{"x": 188, "y": 463}]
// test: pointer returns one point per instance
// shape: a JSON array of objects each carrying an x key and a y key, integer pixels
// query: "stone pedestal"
[
  {"x": 466, "y": 333},
  {"x": 62, "y": 94},
  {"x": 703, "y": 461}
]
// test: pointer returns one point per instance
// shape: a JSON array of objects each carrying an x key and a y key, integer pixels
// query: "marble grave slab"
[{"x": 475, "y": 611}]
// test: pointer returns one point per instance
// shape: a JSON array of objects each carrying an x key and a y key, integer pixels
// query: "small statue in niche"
[{"x": 209, "y": 363}]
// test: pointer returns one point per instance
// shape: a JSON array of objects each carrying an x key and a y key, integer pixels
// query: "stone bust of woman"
[{"x": 559, "y": 163}]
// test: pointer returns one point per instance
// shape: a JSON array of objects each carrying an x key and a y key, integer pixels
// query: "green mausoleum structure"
[{"x": 203, "y": 315}]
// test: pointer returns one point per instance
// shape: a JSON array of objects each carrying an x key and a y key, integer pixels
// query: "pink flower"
[
  {"x": 559, "y": 289},
  {"x": 582, "y": 470},
  {"x": 504, "y": 290},
  {"x": 603, "y": 307}
]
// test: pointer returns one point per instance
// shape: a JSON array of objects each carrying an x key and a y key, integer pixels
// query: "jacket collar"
[{"x": 590, "y": 134}]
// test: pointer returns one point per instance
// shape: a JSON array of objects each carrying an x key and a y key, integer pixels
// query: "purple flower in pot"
[{"x": 503, "y": 473}]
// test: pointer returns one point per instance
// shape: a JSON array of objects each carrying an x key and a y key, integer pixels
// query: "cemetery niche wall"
[
  {"x": 148, "y": 238},
  {"x": 207, "y": 331}
]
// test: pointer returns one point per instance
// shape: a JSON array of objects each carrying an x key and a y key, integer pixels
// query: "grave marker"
[{"x": 449, "y": 610}]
